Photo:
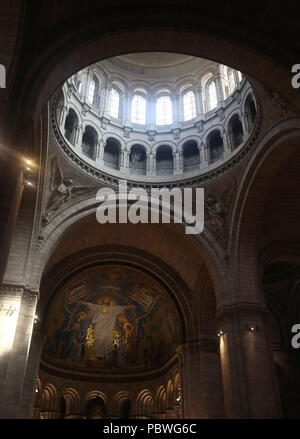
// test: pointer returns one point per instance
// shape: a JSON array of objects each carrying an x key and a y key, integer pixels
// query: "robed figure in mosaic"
[{"x": 104, "y": 316}]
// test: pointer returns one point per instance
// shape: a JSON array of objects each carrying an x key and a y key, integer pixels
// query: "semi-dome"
[
  {"x": 109, "y": 320},
  {"x": 154, "y": 118}
]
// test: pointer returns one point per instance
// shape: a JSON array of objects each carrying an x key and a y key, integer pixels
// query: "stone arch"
[
  {"x": 118, "y": 400},
  {"x": 96, "y": 404},
  {"x": 72, "y": 398},
  {"x": 89, "y": 142},
  {"x": 236, "y": 130},
  {"x": 144, "y": 404},
  {"x": 164, "y": 159},
  {"x": 272, "y": 149},
  {"x": 112, "y": 153},
  {"x": 71, "y": 126},
  {"x": 191, "y": 155},
  {"x": 161, "y": 400},
  {"x": 215, "y": 145},
  {"x": 49, "y": 402},
  {"x": 55, "y": 232},
  {"x": 138, "y": 158}
]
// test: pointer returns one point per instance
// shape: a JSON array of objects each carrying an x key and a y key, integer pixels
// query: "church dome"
[{"x": 155, "y": 118}]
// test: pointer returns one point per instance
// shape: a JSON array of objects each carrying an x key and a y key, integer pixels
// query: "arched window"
[
  {"x": 164, "y": 110},
  {"x": 112, "y": 153},
  {"x": 189, "y": 105},
  {"x": 191, "y": 158},
  {"x": 138, "y": 112},
  {"x": 236, "y": 129},
  {"x": 137, "y": 160},
  {"x": 93, "y": 91},
  {"x": 114, "y": 103},
  {"x": 71, "y": 125},
  {"x": 164, "y": 160},
  {"x": 212, "y": 95},
  {"x": 89, "y": 142},
  {"x": 215, "y": 146}
]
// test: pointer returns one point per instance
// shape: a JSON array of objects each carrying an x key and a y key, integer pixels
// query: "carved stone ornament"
[
  {"x": 216, "y": 210},
  {"x": 63, "y": 189}
]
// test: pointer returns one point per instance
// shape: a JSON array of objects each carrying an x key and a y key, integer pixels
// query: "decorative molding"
[
  {"x": 30, "y": 297},
  {"x": 27, "y": 296},
  {"x": 13, "y": 291}
]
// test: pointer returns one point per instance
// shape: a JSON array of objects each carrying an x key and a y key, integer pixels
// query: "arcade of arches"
[{"x": 143, "y": 320}]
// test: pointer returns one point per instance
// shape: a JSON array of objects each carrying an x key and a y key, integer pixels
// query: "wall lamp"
[{"x": 252, "y": 328}]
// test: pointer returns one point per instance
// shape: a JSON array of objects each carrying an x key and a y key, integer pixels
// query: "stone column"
[
  {"x": 16, "y": 323},
  {"x": 124, "y": 164},
  {"x": 246, "y": 122},
  {"x": 128, "y": 118},
  {"x": 205, "y": 155},
  {"x": 236, "y": 78},
  {"x": 198, "y": 101},
  {"x": 175, "y": 107},
  {"x": 227, "y": 142},
  {"x": 125, "y": 107},
  {"x": 176, "y": 164},
  {"x": 201, "y": 379},
  {"x": 219, "y": 89},
  {"x": 78, "y": 137},
  {"x": 150, "y": 164},
  {"x": 106, "y": 99},
  {"x": 32, "y": 370},
  {"x": 62, "y": 115},
  {"x": 248, "y": 375},
  {"x": 102, "y": 98}
]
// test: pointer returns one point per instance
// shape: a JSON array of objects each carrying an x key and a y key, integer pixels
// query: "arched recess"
[
  {"x": 89, "y": 142},
  {"x": 127, "y": 257},
  {"x": 158, "y": 240},
  {"x": 137, "y": 159},
  {"x": 280, "y": 267},
  {"x": 164, "y": 160},
  {"x": 263, "y": 214},
  {"x": 49, "y": 402},
  {"x": 191, "y": 156},
  {"x": 145, "y": 404},
  {"x": 72, "y": 402},
  {"x": 121, "y": 405},
  {"x": 96, "y": 406},
  {"x": 112, "y": 151},
  {"x": 71, "y": 125}
]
